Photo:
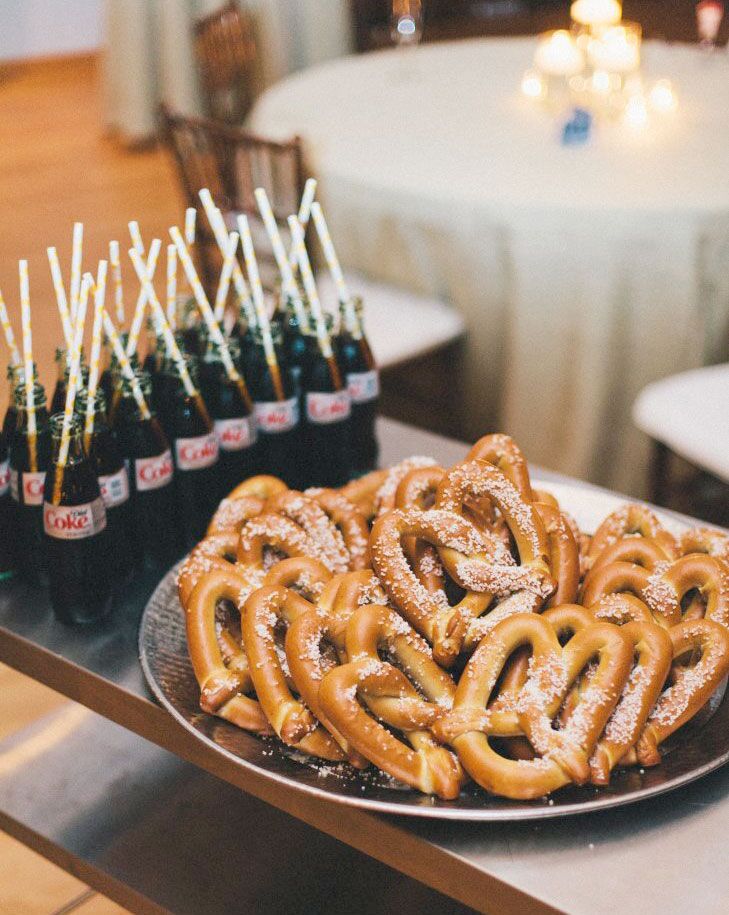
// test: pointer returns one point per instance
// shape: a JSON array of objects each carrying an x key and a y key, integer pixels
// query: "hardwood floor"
[{"x": 57, "y": 167}]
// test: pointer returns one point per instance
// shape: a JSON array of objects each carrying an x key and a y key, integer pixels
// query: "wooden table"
[{"x": 145, "y": 814}]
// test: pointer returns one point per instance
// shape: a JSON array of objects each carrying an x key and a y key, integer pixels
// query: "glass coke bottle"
[
  {"x": 363, "y": 382},
  {"x": 233, "y": 421},
  {"x": 8, "y": 554},
  {"x": 15, "y": 377},
  {"x": 77, "y": 540},
  {"x": 110, "y": 468},
  {"x": 195, "y": 453},
  {"x": 146, "y": 449},
  {"x": 30, "y": 457}
]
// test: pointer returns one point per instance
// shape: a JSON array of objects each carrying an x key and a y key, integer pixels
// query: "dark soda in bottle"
[
  {"x": 110, "y": 468},
  {"x": 146, "y": 450},
  {"x": 326, "y": 411},
  {"x": 363, "y": 383},
  {"x": 15, "y": 377},
  {"x": 76, "y": 535},
  {"x": 8, "y": 554},
  {"x": 58, "y": 401},
  {"x": 232, "y": 416},
  {"x": 30, "y": 457},
  {"x": 195, "y": 453},
  {"x": 277, "y": 419}
]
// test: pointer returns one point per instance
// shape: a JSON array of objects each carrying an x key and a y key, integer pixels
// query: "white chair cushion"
[
  {"x": 400, "y": 325},
  {"x": 690, "y": 414}
]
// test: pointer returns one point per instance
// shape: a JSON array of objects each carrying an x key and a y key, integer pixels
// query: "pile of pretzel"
[{"x": 452, "y": 624}]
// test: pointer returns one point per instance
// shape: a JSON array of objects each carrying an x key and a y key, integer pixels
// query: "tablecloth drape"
[{"x": 149, "y": 58}]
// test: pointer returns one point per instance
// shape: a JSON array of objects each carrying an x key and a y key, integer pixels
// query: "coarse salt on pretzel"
[
  {"x": 503, "y": 452},
  {"x": 630, "y": 520},
  {"x": 564, "y": 557},
  {"x": 704, "y": 540},
  {"x": 384, "y": 500},
  {"x": 350, "y": 522},
  {"x": 262, "y": 486},
  {"x": 325, "y": 540},
  {"x": 232, "y": 514},
  {"x": 217, "y": 551},
  {"x": 263, "y": 541},
  {"x": 363, "y": 491}
]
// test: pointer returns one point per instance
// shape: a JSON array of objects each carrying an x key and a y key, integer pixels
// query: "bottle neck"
[{"x": 76, "y": 452}]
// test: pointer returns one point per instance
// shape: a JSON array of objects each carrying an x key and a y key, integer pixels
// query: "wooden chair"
[
  {"x": 232, "y": 163},
  {"x": 227, "y": 60}
]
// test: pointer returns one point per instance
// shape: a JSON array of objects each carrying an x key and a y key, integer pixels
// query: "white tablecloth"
[{"x": 583, "y": 273}]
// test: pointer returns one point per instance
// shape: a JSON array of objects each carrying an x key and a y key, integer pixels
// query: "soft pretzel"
[
  {"x": 262, "y": 486},
  {"x": 232, "y": 514},
  {"x": 222, "y": 685},
  {"x": 503, "y": 452},
  {"x": 325, "y": 540},
  {"x": 620, "y": 609},
  {"x": 217, "y": 551},
  {"x": 564, "y": 557},
  {"x": 265, "y": 540},
  {"x": 384, "y": 499},
  {"x": 631, "y": 519},
  {"x": 423, "y": 765},
  {"x": 350, "y": 522},
  {"x": 363, "y": 491},
  {"x": 642, "y": 551},
  {"x": 704, "y": 540}
]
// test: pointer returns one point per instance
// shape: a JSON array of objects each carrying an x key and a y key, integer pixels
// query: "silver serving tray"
[{"x": 699, "y": 748}]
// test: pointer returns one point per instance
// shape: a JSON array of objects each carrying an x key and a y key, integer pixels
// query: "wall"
[{"x": 42, "y": 28}]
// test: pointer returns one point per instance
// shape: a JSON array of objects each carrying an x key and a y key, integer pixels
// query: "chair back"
[
  {"x": 232, "y": 163},
  {"x": 227, "y": 60}
]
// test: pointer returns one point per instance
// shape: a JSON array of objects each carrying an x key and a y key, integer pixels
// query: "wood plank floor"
[{"x": 56, "y": 166}]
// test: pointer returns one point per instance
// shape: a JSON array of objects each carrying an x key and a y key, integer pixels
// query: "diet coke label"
[
  {"x": 114, "y": 487},
  {"x": 328, "y": 408},
  {"x": 277, "y": 416},
  {"x": 363, "y": 386},
  {"x": 74, "y": 522},
  {"x": 33, "y": 483},
  {"x": 235, "y": 434},
  {"x": 154, "y": 472},
  {"x": 5, "y": 477},
  {"x": 196, "y": 453}
]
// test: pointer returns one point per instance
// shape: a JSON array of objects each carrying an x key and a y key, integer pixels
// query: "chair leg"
[{"x": 659, "y": 474}]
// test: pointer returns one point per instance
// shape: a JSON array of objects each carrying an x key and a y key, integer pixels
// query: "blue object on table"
[{"x": 576, "y": 130}]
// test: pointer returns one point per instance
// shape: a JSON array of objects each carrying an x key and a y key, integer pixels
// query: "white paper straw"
[
  {"x": 190, "y": 225},
  {"x": 125, "y": 366},
  {"x": 27, "y": 345},
  {"x": 75, "y": 368},
  {"x": 307, "y": 198},
  {"x": 99, "y": 295},
  {"x": 138, "y": 319},
  {"x": 221, "y": 296},
  {"x": 61, "y": 299},
  {"x": 330, "y": 254},
  {"x": 307, "y": 275},
  {"x": 136, "y": 236},
  {"x": 8, "y": 332},
  {"x": 171, "y": 288},
  {"x": 289, "y": 285},
  {"x": 115, "y": 261},
  {"x": 76, "y": 255}
]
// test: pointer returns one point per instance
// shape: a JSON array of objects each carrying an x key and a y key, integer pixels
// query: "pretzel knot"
[
  {"x": 368, "y": 683},
  {"x": 232, "y": 514},
  {"x": 631, "y": 520},
  {"x": 564, "y": 754},
  {"x": 217, "y": 551}
]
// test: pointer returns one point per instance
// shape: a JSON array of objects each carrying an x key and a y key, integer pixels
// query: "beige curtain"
[{"x": 149, "y": 55}]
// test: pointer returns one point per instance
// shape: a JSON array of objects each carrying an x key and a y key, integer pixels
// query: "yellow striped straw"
[
  {"x": 159, "y": 317},
  {"x": 253, "y": 275},
  {"x": 99, "y": 296},
  {"x": 171, "y": 290},
  {"x": 221, "y": 296},
  {"x": 142, "y": 299},
  {"x": 190, "y": 222},
  {"x": 115, "y": 261},
  {"x": 27, "y": 344},
  {"x": 297, "y": 234},
  {"x": 125, "y": 366},
  {"x": 202, "y": 302},
  {"x": 8, "y": 331},
  {"x": 136, "y": 235},
  {"x": 322, "y": 230},
  {"x": 75, "y": 368},
  {"x": 217, "y": 224},
  {"x": 61, "y": 299},
  {"x": 76, "y": 253},
  {"x": 279, "y": 252},
  {"x": 307, "y": 198}
]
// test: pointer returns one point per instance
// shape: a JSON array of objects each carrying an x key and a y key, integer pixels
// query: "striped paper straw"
[
  {"x": 221, "y": 296},
  {"x": 27, "y": 346},
  {"x": 171, "y": 288},
  {"x": 125, "y": 366},
  {"x": 136, "y": 235},
  {"x": 307, "y": 198},
  {"x": 217, "y": 224},
  {"x": 297, "y": 234},
  {"x": 279, "y": 252},
  {"x": 190, "y": 222},
  {"x": 76, "y": 253},
  {"x": 258, "y": 298},
  {"x": 74, "y": 371},
  {"x": 61, "y": 299},
  {"x": 330, "y": 254},
  {"x": 99, "y": 295},
  {"x": 159, "y": 316},
  {"x": 203, "y": 303},
  {"x": 8, "y": 331},
  {"x": 115, "y": 261},
  {"x": 142, "y": 299}
]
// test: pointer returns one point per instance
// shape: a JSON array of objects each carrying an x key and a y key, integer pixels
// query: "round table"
[{"x": 583, "y": 273}]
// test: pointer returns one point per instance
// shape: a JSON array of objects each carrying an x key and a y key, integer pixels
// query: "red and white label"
[
  {"x": 74, "y": 522},
  {"x": 196, "y": 453},
  {"x": 114, "y": 488},
  {"x": 154, "y": 472},
  {"x": 363, "y": 386},
  {"x": 277, "y": 415},
  {"x": 4, "y": 477},
  {"x": 33, "y": 483},
  {"x": 328, "y": 408},
  {"x": 235, "y": 434}
]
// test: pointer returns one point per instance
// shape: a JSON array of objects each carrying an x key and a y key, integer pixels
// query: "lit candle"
[
  {"x": 617, "y": 50},
  {"x": 662, "y": 96},
  {"x": 596, "y": 12},
  {"x": 558, "y": 55}
]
